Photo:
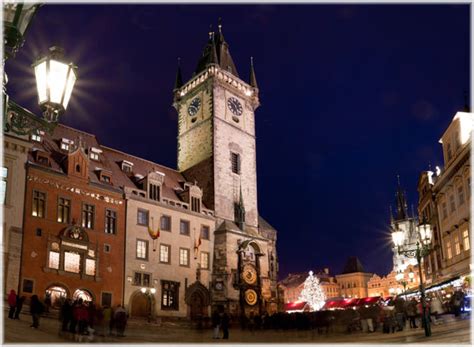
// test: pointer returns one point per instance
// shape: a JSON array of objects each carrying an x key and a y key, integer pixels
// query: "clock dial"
[
  {"x": 235, "y": 106},
  {"x": 250, "y": 296},
  {"x": 249, "y": 275},
  {"x": 194, "y": 106}
]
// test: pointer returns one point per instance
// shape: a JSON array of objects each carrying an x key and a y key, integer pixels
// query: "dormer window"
[
  {"x": 38, "y": 137},
  {"x": 154, "y": 192},
  {"x": 66, "y": 144},
  {"x": 94, "y": 153},
  {"x": 195, "y": 204},
  {"x": 105, "y": 178},
  {"x": 127, "y": 166}
]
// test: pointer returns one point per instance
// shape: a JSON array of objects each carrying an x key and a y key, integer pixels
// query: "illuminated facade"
[{"x": 389, "y": 285}]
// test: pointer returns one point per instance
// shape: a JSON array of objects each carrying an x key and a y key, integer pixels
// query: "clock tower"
[{"x": 216, "y": 148}]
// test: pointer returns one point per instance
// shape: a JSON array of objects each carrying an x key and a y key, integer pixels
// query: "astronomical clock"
[{"x": 249, "y": 281}]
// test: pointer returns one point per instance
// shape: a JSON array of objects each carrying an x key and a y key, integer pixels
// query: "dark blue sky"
[{"x": 350, "y": 96}]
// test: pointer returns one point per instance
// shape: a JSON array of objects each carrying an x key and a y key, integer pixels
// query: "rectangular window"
[
  {"x": 53, "y": 260},
  {"x": 184, "y": 227},
  {"x": 448, "y": 250},
  {"x": 142, "y": 217},
  {"x": 90, "y": 267},
  {"x": 205, "y": 260},
  {"x": 165, "y": 223},
  {"x": 39, "y": 204},
  {"x": 106, "y": 299},
  {"x": 465, "y": 236},
  {"x": 169, "y": 295},
  {"x": 110, "y": 221},
  {"x": 106, "y": 248},
  {"x": 65, "y": 146},
  {"x": 88, "y": 215},
  {"x": 204, "y": 232},
  {"x": 154, "y": 192},
  {"x": 142, "y": 249},
  {"x": 457, "y": 245},
  {"x": 195, "y": 204},
  {"x": 461, "y": 195},
  {"x": 165, "y": 253},
  {"x": 184, "y": 257},
  {"x": 127, "y": 168},
  {"x": 64, "y": 210},
  {"x": 28, "y": 286},
  {"x": 444, "y": 210},
  {"x": 72, "y": 262},
  {"x": 235, "y": 158},
  {"x": 105, "y": 178},
  {"x": 452, "y": 204},
  {"x": 141, "y": 279},
  {"x": 35, "y": 138},
  {"x": 94, "y": 156},
  {"x": 3, "y": 185}
]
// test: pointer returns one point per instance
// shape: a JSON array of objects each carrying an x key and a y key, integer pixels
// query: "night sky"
[{"x": 351, "y": 96}]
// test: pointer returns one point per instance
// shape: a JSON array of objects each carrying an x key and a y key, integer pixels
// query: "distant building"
[
  {"x": 293, "y": 284},
  {"x": 390, "y": 286},
  {"x": 353, "y": 279}
]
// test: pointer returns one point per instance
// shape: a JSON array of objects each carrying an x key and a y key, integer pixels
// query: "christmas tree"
[{"x": 312, "y": 293}]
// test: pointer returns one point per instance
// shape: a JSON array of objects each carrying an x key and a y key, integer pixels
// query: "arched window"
[{"x": 78, "y": 168}]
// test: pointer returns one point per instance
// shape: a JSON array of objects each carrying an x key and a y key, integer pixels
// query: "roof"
[
  {"x": 295, "y": 280},
  {"x": 354, "y": 302},
  {"x": 353, "y": 264},
  {"x": 295, "y": 306}
]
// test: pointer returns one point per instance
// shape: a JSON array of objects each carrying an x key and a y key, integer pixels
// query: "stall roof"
[{"x": 295, "y": 306}]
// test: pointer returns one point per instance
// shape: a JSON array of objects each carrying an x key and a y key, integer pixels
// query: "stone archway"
[
  {"x": 198, "y": 299},
  {"x": 57, "y": 293},
  {"x": 140, "y": 305},
  {"x": 83, "y": 294}
]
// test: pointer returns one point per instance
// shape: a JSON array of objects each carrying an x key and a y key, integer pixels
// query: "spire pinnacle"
[
  {"x": 253, "y": 78},
  {"x": 219, "y": 25},
  {"x": 179, "y": 79},
  {"x": 401, "y": 201}
]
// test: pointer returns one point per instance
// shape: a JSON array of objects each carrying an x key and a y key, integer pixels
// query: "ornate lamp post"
[
  {"x": 150, "y": 294},
  {"x": 421, "y": 249},
  {"x": 400, "y": 277},
  {"x": 55, "y": 78}
]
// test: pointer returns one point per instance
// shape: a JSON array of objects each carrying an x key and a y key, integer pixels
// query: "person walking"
[
  {"x": 457, "y": 302},
  {"x": 436, "y": 308},
  {"x": 225, "y": 325},
  {"x": 107, "y": 320},
  {"x": 411, "y": 313},
  {"x": 19, "y": 305},
  {"x": 400, "y": 313},
  {"x": 215, "y": 322},
  {"x": 47, "y": 301},
  {"x": 120, "y": 318},
  {"x": 36, "y": 308},
  {"x": 12, "y": 303},
  {"x": 66, "y": 315}
]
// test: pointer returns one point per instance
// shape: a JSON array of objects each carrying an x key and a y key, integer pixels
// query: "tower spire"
[
  {"x": 213, "y": 58},
  {"x": 240, "y": 211},
  {"x": 391, "y": 215},
  {"x": 253, "y": 78},
  {"x": 401, "y": 202}
]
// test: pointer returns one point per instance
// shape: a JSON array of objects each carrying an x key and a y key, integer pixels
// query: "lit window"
[
  {"x": 64, "y": 210},
  {"x": 90, "y": 267},
  {"x": 457, "y": 245},
  {"x": 166, "y": 223},
  {"x": 105, "y": 178},
  {"x": 184, "y": 257},
  {"x": 461, "y": 195},
  {"x": 36, "y": 138},
  {"x": 142, "y": 217},
  {"x": 94, "y": 156},
  {"x": 141, "y": 279},
  {"x": 88, "y": 214},
  {"x": 465, "y": 236},
  {"x": 184, "y": 227},
  {"x": 448, "y": 250},
  {"x": 142, "y": 249},
  {"x": 164, "y": 254},
  {"x": 53, "y": 260},
  {"x": 204, "y": 260},
  {"x": 169, "y": 295},
  {"x": 127, "y": 166},
  {"x": 39, "y": 200},
  {"x": 65, "y": 146},
  {"x": 235, "y": 159},
  {"x": 3, "y": 184},
  {"x": 110, "y": 221},
  {"x": 205, "y": 232},
  {"x": 72, "y": 262}
]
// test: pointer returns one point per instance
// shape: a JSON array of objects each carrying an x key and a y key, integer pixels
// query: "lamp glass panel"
[
  {"x": 69, "y": 85},
  {"x": 41, "y": 85},
  {"x": 56, "y": 80}
]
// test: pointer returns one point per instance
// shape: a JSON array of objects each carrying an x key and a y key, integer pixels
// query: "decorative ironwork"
[{"x": 20, "y": 121}]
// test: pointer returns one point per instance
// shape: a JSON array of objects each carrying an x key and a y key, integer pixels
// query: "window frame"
[
  {"x": 141, "y": 210},
  {"x": 169, "y": 254},
  {"x": 44, "y": 200},
  {"x": 203, "y": 226},
  {"x": 465, "y": 237},
  {"x": 92, "y": 213},
  {"x": 161, "y": 223},
  {"x": 4, "y": 183},
  {"x": 146, "y": 249},
  {"x": 69, "y": 208},
  {"x": 173, "y": 287},
  {"x": 185, "y": 222},
  {"x": 113, "y": 217},
  {"x": 208, "y": 260},
  {"x": 236, "y": 163},
  {"x": 186, "y": 251}
]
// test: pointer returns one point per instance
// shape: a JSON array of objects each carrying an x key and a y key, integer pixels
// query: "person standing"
[
  {"x": 19, "y": 305},
  {"x": 411, "y": 312},
  {"x": 120, "y": 318},
  {"x": 36, "y": 308},
  {"x": 215, "y": 322},
  {"x": 12, "y": 303},
  {"x": 225, "y": 325},
  {"x": 66, "y": 314},
  {"x": 107, "y": 313}
]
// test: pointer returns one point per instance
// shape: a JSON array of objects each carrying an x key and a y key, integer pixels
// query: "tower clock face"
[
  {"x": 250, "y": 296},
  {"x": 234, "y": 106},
  {"x": 194, "y": 106},
  {"x": 249, "y": 274}
]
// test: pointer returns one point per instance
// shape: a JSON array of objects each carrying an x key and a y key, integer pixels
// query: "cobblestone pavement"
[{"x": 455, "y": 332}]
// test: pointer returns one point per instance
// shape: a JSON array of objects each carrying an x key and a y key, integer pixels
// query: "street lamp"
[
  {"x": 421, "y": 249},
  {"x": 17, "y": 17}
]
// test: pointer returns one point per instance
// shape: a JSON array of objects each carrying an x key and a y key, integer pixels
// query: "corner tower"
[{"x": 216, "y": 133}]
